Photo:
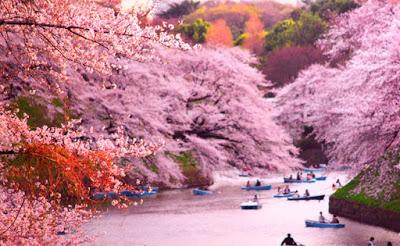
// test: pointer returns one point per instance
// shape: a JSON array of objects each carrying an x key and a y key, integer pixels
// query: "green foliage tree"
[
  {"x": 308, "y": 29},
  {"x": 305, "y": 29},
  {"x": 196, "y": 31},
  {"x": 177, "y": 10},
  {"x": 280, "y": 35},
  {"x": 324, "y": 8}
]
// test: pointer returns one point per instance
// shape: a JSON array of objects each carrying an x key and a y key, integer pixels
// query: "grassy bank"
[{"x": 348, "y": 193}]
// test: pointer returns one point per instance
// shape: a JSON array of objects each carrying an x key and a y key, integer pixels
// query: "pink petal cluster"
[{"x": 82, "y": 32}]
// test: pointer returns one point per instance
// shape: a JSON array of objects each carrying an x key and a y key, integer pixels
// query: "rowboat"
[
  {"x": 290, "y": 194},
  {"x": 314, "y": 170},
  {"x": 287, "y": 180},
  {"x": 244, "y": 175},
  {"x": 149, "y": 188},
  {"x": 250, "y": 205},
  {"x": 199, "y": 192},
  {"x": 321, "y": 178},
  {"x": 105, "y": 195},
  {"x": 306, "y": 198},
  {"x": 313, "y": 223},
  {"x": 138, "y": 193},
  {"x": 262, "y": 187}
]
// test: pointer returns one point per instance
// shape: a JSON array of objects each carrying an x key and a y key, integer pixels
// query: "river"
[{"x": 178, "y": 218}]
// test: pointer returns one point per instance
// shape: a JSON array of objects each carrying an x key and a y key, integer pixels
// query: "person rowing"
[
  {"x": 258, "y": 182},
  {"x": 288, "y": 240},
  {"x": 335, "y": 220},
  {"x": 339, "y": 185},
  {"x": 321, "y": 218},
  {"x": 286, "y": 190},
  {"x": 306, "y": 193}
]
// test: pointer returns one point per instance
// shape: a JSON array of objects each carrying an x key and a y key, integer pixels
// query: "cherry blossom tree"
[
  {"x": 45, "y": 169},
  {"x": 353, "y": 108},
  {"x": 47, "y": 174},
  {"x": 204, "y": 102},
  {"x": 46, "y": 34}
]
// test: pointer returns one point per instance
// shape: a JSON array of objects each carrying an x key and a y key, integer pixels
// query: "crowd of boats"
[
  {"x": 290, "y": 195},
  {"x": 307, "y": 175}
]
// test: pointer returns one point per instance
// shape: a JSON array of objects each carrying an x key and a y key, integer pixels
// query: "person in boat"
[
  {"x": 288, "y": 240},
  {"x": 321, "y": 218},
  {"x": 279, "y": 190},
  {"x": 298, "y": 176},
  {"x": 312, "y": 174},
  {"x": 258, "y": 182},
  {"x": 286, "y": 190},
  {"x": 371, "y": 242},
  {"x": 335, "y": 220},
  {"x": 296, "y": 194},
  {"x": 291, "y": 177},
  {"x": 306, "y": 193},
  {"x": 248, "y": 183},
  {"x": 255, "y": 199}
]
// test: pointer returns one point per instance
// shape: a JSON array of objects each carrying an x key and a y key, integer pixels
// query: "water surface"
[{"x": 178, "y": 218}]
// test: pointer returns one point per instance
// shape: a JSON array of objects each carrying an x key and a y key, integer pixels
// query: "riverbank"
[{"x": 363, "y": 213}]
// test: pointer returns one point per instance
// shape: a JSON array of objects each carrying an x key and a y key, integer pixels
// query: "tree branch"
[{"x": 8, "y": 152}]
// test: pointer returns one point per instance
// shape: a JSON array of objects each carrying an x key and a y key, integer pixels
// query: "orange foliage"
[
  {"x": 235, "y": 15},
  {"x": 54, "y": 172},
  {"x": 255, "y": 40},
  {"x": 219, "y": 34}
]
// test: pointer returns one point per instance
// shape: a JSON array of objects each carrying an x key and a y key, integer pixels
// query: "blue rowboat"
[
  {"x": 262, "y": 187},
  {"x": 105, "y": 195},
  {"x": 322, "y": 178},
  {"x": 314, "y": 170},
  {"x": 313, "y": 223},
  {"x": 306, "y": 198},
  {"x": 290, "y": 194},
  {"x": 199, "y": 192},
  {"x": 244, "y": 175},
  {"x": 128, "y": 193},
  {"x": 148, "y": 188},
  {"x": 287, "y": 180},
  {"x": 250, "y": 205}
]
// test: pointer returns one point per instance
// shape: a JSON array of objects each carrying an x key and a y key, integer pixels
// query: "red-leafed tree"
[
  {"x": 219, "y": 34},
  {"x": 254, "y": 40},
  {"x": 282, "y": 66}
]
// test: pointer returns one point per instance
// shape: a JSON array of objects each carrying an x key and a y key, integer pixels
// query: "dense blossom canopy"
[
  {"x": 205, "y": 101},
  {"x": 44, "y": 169},
  {"x": 353, "y": 108},
  {"x": 82, "y": 32}
]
